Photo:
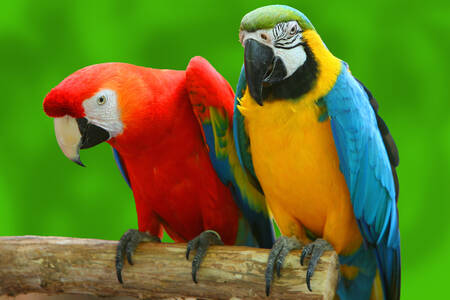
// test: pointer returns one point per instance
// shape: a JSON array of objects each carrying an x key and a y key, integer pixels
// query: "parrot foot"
[
  {"x": 127, "y": 244},
  {"x": 277, "y": 255},
  {"x": 315, "y": 251},
  {"x": 201, "y": 243}
]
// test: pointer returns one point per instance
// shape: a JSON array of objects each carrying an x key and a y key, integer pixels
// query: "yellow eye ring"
[{"x": 101, "y": 100}]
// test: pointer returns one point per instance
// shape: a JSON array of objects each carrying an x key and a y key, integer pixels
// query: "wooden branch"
[{"x": 55, "y": 265}]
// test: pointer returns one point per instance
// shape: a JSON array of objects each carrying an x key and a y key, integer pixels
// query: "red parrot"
[{"x": 152, "y": 119}]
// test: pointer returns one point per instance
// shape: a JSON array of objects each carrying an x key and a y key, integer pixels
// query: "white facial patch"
[
  {"x": 286, "y": 41},
  {"x": 103, "y": 111},
  {"x": 292, "y": 58}
]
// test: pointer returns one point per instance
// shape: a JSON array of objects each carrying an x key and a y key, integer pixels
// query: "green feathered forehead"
[{"x": 268, "y": 16}]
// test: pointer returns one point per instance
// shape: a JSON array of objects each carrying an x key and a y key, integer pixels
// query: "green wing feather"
[{"x": 212, "y": 100}]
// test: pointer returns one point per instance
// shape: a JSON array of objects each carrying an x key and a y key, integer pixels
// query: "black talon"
[
  {"x": 119, "y": 266},
  {"x": 308, "y": 279},
  {"x": 201, "y": 243},
  {"x": 277, "y": 256},
  {"x": 315, "y": 250},
  {"x": 127, "y": 245},
  {"x": 268, "y": 287}
]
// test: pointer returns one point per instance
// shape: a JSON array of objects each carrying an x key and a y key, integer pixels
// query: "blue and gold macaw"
[{"x": 310, "y": 136}]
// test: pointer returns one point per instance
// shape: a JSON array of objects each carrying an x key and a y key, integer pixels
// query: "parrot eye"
[
  {"x": 264, "y": 36},
  {"x": 293, "y": 30},
  {"x": 101, "y": 100}
]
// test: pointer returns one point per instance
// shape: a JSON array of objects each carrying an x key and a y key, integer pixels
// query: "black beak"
[
  {"x": 91, "y": 134},
  {"x": 278, "y": 72},
  {"x": 261, "y": 68},
  {"x": 257, "y": 61}
]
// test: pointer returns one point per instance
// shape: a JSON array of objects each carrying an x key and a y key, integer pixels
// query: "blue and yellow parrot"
[{"x": 310, "y": 136}]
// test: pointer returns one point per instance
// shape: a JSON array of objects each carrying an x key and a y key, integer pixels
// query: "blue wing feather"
[
  {"x": 121, "y": 166},
  {"x": 366, "y": 167}
]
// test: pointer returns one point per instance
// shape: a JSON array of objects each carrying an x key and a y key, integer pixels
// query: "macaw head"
[
  {"x": 277, "y": 51},
  {"x": 98, "y": 103}
]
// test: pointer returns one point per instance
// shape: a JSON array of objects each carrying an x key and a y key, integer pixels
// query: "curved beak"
[
  {"x": 262, "y": 68},
  {"x": 75, "y": 134}
]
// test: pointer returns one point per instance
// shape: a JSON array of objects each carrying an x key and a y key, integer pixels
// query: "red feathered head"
[
  {"x": 112, "y": 102},
  {"x": 67, "y": 97}
]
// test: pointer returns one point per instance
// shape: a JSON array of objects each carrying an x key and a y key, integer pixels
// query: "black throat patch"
[{"x": 296, "y": 85}]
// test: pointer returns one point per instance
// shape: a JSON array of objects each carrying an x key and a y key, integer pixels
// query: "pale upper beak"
[
  {"x": 69, "y": 138},
  {"x": 75, "y": 134}
]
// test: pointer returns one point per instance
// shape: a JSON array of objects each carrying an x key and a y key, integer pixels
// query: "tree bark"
[{"x": 55, "y": 265}]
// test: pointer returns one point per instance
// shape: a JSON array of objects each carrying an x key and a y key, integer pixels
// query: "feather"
[
  {"x": 366, "y": 160},
  {"x": 207, "y": 89},
  {"x": 121, "y": 166}
]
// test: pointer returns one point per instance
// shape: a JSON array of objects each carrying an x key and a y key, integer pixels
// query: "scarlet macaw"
[{"x": 166, "y": 136}]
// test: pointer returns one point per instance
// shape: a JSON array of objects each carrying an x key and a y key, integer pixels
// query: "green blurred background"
[{"x": 400, "y": 50}]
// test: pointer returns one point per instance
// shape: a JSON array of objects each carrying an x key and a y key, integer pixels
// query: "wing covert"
[
  {"x": 212, "y": 101},
  {"x": 366, "y": 166}
]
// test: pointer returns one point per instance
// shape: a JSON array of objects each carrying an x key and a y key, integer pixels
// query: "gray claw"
[
  {"x": 127, "y": 245},
  {"x": 201, "y": 243},
  {"x": 315, "y": 250},
  {"x": 277, "y": 256}
]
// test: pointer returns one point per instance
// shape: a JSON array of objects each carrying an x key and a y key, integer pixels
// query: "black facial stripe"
[
  {"x": 279, "y": 32},
  {"x": 287, "y": 41},
  {"x": 289, "y": 47}
]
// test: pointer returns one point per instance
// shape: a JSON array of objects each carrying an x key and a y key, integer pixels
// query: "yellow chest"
[
  {"x": 296, "y": 162},
  {"x": 295, "y": 159}
]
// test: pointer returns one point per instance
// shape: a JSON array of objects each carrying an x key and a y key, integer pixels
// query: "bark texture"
[{"x": 56, "y": 265}]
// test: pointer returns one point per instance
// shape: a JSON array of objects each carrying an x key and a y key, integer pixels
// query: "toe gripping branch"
[
  {"x": 201, "y": 243},
  {"x": 127, "y": 245},
  {"x": 281, "y": 249},
  {"x": 313, "y": 250}
]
